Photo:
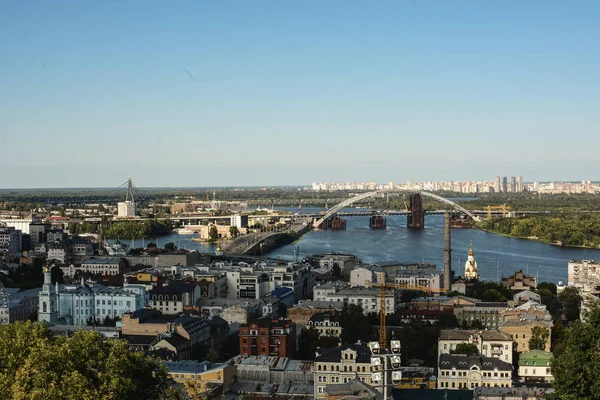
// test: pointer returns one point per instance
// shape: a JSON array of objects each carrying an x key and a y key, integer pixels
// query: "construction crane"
[
  {"x": 504, "y": 208},
  {"x": 405, "y": 204},
  {"x": 383, "y": 286}
]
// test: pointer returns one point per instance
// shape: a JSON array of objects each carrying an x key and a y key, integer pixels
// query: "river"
[{"x": 496, "y": 255}]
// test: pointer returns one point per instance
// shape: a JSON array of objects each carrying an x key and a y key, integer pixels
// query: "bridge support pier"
[
  {"x": 416, "y": 218},
  {"x": 336, "y": 223},
  {"x": 377, "y": 222}
]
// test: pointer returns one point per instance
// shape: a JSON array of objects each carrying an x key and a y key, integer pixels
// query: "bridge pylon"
[{"x": 416, "y": 218}]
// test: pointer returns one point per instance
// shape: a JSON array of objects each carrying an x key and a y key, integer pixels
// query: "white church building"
[{"x": 77, "y": 304}]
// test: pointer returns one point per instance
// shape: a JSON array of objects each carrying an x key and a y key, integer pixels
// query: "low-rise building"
[
  {"x": 18, "y": 305},
  {"x": 520, "y": 331},
  {"x": 534, "y": 367},
  {"x": 430, "y": 279},
  {"x": 367, "y": 298},
  {"x": 203, "y": 374},
  {"x": 83, "y": 303},
  {"x": 519, "y": 282},
  {"x": 277, "y": 302},
  {"x": 489, "y": 343},
  {"x": 273, "y": 369},
  {"x": 103, "y": 266},
  {"x": 174, "y": 297},
  {"x": 341, "y": 365},
  {"x": 469, "y": 372},
  {"x": 525, "y": 296},
  {"x": 301, "y": 313},
  {"x": 326, "y": 324},
  {"x": 231, "y": 310},
  {"x": 489, "y": 314},
  {"x": 58, "y": 253},
  {"x": 267, "y": 337}
]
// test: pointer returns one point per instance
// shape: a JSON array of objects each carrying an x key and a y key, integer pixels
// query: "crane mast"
[{"x": 383, "y": 286}]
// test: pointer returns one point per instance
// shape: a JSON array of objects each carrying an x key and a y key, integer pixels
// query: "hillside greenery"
[{"x": 562, "y": 229}]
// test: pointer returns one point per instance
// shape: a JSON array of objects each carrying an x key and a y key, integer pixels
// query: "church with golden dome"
[{"x": 471, "y": 265}]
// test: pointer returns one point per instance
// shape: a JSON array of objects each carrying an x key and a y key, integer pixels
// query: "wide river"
[{"x": 496, "y": 255}]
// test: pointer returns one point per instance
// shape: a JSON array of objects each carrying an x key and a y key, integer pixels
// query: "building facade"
[
  {"x": 535, "y": 367},
  {"x": 367, "y": 298},
  {"x": 10, "y": 240},
  {"x": 341, "y": 365},
  {"x": 489, "y": 343},
  {"x": 470, "y": 372},
  {"x": 267, "y": 337},
  {"x": 326, "y": 324},
  {"x": 173, "y": 298}
]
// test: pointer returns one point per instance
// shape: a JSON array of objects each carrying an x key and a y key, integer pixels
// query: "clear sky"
[{"x": 249, "y": 92}]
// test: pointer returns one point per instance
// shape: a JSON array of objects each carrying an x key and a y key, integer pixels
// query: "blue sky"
[{"x": 202, "y": 93}]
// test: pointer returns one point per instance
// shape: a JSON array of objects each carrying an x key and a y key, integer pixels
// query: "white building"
[
  {"x": 126, "y": 209},
  {"x": 10, "y": 240},
  {"x": 419, "y": 278},
  {"x": 464, "y": 372},
  {"x": 20, "y": 224},
  {"x": 103, "y": 266},
  {"x": 534, "y": 366},
  {"x": 57, "y": 253},
  {"x": 361, "y": 276},
  {"x": 78, "y": 304},
  {"x": 367, "y": 298},
  {"x": 489, "y": 343}
]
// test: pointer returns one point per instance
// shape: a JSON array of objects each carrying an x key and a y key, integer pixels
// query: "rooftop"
[
  {"x": 335, "y": 354},
  {"x": 462, "y": 362},
  {"x": 190, "y": 366}
]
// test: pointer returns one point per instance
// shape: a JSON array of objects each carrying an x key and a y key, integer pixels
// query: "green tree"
[
  {"x": 546, "y": 296},
  {"x": 212, "y": 355},
  {"x": 213, "y": 234},
  {"x": 571, "y": 301},
  {"x": 355, "y": 325},
  {"x": 233, "y": 231},
  {"x": 493, "y": 295},
  {"x": 576, "y": 368},
  {"x": 539, "y": 336},
  {"x": 468, "y": 349},
  {"x": 307, "y": 344},
  {"x": 84, "y": 366},
  {"x": 547, "y": 285},
  {"x": 170, "y": 246}
]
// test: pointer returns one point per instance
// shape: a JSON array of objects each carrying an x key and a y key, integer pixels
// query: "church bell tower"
[{"x": 48, "y": 299}]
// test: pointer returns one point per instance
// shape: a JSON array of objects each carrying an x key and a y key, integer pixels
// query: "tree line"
[{"x": 561, "y": 229}]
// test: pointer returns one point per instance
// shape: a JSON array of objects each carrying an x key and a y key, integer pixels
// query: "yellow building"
[
  {"x": 520, "y": 330},
  {"x": 201, "y": 373}
]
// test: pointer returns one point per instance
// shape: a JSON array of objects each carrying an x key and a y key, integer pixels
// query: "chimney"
[{"x": 447, "y": 251}]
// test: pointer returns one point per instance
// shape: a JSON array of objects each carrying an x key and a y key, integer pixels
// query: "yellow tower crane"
[{"x": 383, "y": 286}]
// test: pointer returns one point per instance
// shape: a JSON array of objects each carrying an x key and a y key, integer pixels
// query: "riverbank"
[{"x": 556, "y": 243}]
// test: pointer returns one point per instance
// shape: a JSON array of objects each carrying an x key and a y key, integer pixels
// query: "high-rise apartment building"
[
  {"x": 520, "y": 186},
  {"x": 504, "y": 185},
  {"x": 513, "y": 184},
  {"x": 497, "y": 186}
]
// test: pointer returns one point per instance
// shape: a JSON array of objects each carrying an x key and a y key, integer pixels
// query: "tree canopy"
[
  {"x": 576, "y": 368},
  {"x": 468, "y": 349},
  {"x": 539, "y": 336},
  {"x": 36, "y": 366}
]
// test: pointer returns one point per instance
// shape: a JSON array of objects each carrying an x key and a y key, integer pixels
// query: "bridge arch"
[{"x": 346, "y": 203}]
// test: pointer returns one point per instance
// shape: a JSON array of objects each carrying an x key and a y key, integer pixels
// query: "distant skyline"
[{"x": 270, "y": 93}]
